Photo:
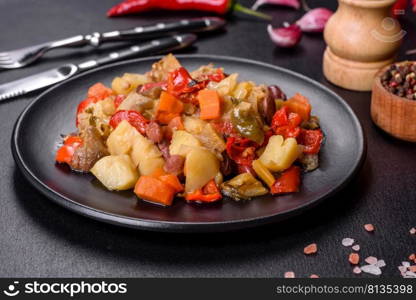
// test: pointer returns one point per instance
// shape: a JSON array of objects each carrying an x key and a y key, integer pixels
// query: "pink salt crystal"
[
  {"x": 402, "y": 269},
  {"x": 381, "y": 263},
  {"x": 357, "y": 270},
  {"x": 412, "y": 230},
  {"x": 290, "y": 274},
  {"x": 369, "y": 227},
  {"x": 356, "y": 247},
  {"x": 347, "y": 242},
  {"x": 412, "y": 268},
  {"x": 406, "y": 264},
  {"x": 371, "y": 260},
  {"x": 314, "y": 276},
  {"x": 371, "y": 269}
]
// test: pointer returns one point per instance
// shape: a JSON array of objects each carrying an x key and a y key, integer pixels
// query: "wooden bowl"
[{"x": 395, "y": 115}]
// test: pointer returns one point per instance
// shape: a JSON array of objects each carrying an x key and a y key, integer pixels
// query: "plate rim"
[{"x": 170, "y": 226}]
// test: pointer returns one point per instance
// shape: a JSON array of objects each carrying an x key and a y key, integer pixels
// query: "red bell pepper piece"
[
  {"x": 311, "y": 139},
  {"x": 286, "y": 123},
  {"x": 96, "y": 93},
  {"x": 217, "y": 76},
  {"x": 241, "y": 150},
  {"x": 288, "y": 182},
  {"x": 84, "y": 103},
  {"x": 208, "y": 193},
  {"x": 280, "y": 118},
  {"x": 65, "y": 153},
  {"x": 181, "y": 82},
  {"x": 135, "y": 119}
]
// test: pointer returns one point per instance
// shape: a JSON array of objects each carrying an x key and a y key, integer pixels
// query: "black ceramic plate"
[{"x": 38, "y": 132}]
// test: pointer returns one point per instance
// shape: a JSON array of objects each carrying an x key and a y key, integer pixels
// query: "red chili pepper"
[
  {"x": 311, "y": 139},
  {"x": 135, "y": 119},
  {"x": 399, "y": 7},
  {"x": 241, "y": 150},
  {"x": 118, "y": 100},
  {"x": 220, "y": 7},
  {"x": 65, "y": 153},
  {"x": 208, "y": 193},
  {"x": 286, "y": 124},
  {"x": 288, "y": 182},
  {"x": 181, "y": 82}
]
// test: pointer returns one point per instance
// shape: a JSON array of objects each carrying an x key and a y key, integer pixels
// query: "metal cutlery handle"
[
  {"x": 143, "y": 32},
  {"x": 152, "y": 47},
  {"x": 164, "y": 28}
]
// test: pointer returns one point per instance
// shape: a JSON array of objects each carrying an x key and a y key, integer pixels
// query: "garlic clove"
[
  {"x": 289, "y": 3},
  {"x": 285, "y": 37},
  {"x": 314, "y": 20}
]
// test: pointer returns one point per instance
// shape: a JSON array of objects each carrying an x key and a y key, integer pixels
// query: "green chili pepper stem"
[{"x": 240, "y": 8}]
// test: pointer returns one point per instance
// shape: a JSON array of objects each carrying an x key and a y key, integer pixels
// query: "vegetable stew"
[{"x": 201, "y": 135}]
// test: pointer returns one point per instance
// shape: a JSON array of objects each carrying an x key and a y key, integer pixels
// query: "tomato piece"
[
  {"x": 294, "y": 119},
  {"x": 224, "y": 127},
  {"x": 311, "y": 139},
  {"x": 288, "y": 182},
  {"x": 135, "y": 119},
  {"x": 65, "y": 153},
  {"x": 241, "y": 150},
  {"x": 280, "y": 118},
  {"x": 288, "y": 131},
  {"x": 286, "y": 123}
]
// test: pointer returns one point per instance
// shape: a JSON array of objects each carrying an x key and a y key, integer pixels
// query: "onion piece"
[
  {"x": 314, "y": 20},
  {"x": 285, "y": 37},
  {"x": 290, "y": 3}
]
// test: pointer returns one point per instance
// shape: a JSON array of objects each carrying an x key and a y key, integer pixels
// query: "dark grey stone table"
[{"x": 39, "y": 238}]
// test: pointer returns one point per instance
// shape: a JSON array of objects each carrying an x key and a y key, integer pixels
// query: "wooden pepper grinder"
[{"x": 362, "y": 37}]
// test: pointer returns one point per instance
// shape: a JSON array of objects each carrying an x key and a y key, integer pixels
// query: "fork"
[{"x": 22, "y": 57}]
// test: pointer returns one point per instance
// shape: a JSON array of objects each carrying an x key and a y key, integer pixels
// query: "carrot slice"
[
  {"x": 170, "y": 179},
  {"x": 210, "y": 104},
  {"x": 169, "y": 108},
  {"x": 154, "y": 190},
  {"x": 99, "y": 91},
  {"x": 299, "y": 104}
]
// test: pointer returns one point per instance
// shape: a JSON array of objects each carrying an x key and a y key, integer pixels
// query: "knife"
[{"x": 53, "y": 76}]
